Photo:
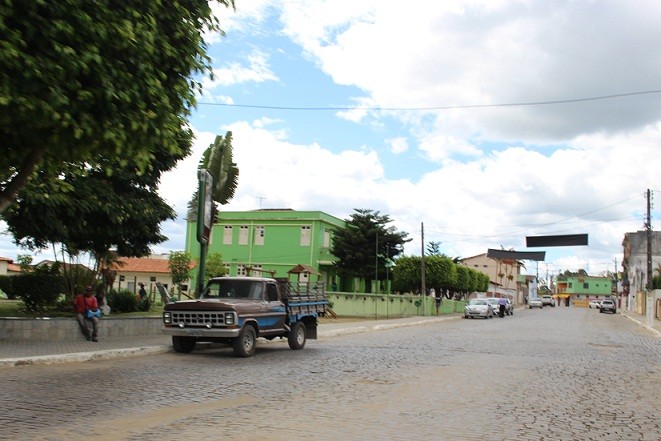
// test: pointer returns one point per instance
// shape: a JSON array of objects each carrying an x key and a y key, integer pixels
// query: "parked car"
[
  {"x": 535, "y": 303},
  {"x": 594, "y": 304},
  {"x": 607, "y": 305},
  {"x": 478, "y": 308},
  {"x": 548, "y": 301}
]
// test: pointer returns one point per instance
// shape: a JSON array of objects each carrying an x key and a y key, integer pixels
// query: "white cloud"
[
  {"x": 398, "y": 145},
  {"x": 257, "y": 71}
]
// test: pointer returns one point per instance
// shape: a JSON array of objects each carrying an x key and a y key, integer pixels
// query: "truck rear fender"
[{"x": 310, "y": 327}]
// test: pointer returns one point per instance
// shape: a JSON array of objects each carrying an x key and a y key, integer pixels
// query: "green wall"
[{"x": 347, "y": 304}]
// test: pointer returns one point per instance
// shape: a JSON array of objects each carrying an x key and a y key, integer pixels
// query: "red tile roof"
[
  {"x": 142, "y": 265},
  {"x": 13, "y": 268},
  {"x": 6, "y": 259}
]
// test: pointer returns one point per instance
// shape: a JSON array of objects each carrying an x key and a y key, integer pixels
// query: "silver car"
[
  {"x": 535, "y": 303},
  {"x": 478, "y": 308}
]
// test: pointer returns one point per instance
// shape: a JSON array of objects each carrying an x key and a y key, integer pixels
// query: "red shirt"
[{"x": 83, "y": 303}]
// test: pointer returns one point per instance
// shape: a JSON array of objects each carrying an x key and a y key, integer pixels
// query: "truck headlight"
[
  {"x": 229, "y": 318},
  {"x": 167, "y": 318}
]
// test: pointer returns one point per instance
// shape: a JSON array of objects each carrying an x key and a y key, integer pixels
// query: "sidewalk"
[
  {"x": 30, "y": 353},
  {"x": 642, "y": 320}
]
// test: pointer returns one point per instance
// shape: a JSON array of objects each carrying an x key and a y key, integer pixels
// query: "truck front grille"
[{"x": 198, "y": 318}]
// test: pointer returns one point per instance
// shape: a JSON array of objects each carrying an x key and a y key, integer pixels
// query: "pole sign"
[{"x": 204, "y": 221}]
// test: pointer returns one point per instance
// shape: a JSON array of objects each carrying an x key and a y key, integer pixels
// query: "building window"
[
  {"x": 241, "y": 270},
  {"x": 327, "y": 235},
  {"x": 243, "y": 235},
  {"x": 305, "y": 236},
  {"x": 256, "y": 271},
  {"x": 152, "y": 278},
  {"x": 227, "y": 235},
  {"x": 569, "y": 285},
  {"x": 259, "y": 235},
  {"x": 227, "y": 267},
  {"x": 586, "y": 285}
]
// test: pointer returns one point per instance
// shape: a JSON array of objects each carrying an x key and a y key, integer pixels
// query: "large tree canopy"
[
  {"x": 366, "y": 244},
  {"x": 87, "y": 210},
  {"x": 84, "y": 79}
]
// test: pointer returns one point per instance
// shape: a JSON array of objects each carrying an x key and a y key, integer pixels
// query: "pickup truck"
[{"x": 238, "y": 310}]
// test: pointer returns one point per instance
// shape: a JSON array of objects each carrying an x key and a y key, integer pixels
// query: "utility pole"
[
  {"x": 648, "y": 229},
  {"x": 422, "y": 266}
]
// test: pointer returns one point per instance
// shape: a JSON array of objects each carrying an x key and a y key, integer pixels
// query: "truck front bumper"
[{"x": 201, "y": 332}]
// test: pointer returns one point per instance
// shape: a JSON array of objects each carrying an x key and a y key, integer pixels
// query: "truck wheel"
[
  {"x": 297, "y": 336},
  {"x": 244, "y": 344},
  {"x": 183, "y": 344}
]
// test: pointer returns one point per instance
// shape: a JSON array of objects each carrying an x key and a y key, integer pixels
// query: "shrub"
[
  {"x": 144, "y": 305},
  {"x": 6, "y": 287},
  {"x": 122, "y": 301},
  {"x": 38, "y": 291}
]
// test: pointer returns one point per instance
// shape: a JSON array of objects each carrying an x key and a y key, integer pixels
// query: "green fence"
[{"x": 347, "y": 304}]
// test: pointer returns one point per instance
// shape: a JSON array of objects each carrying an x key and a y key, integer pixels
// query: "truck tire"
[
  {"x": 297, "y": 337},
  {"x": 183, "y": 344},
  {"x": 244, "y": 344}
]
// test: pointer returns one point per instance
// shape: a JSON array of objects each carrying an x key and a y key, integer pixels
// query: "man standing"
[
  {"x": 502, "y": 304},
  {"x": 87, "y": 308}
]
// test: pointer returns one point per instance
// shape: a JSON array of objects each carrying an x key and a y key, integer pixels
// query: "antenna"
[{"x": 261, "y": 198}]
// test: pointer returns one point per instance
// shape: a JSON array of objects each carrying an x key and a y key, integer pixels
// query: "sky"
[{"x": 482, "y": 122}]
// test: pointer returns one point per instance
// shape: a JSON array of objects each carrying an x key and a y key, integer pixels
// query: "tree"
[
  {"x": 215, "y": 266},
  {"x": 365, "y": 244},
  {"x": 434, "y": 249},
  {"x": 179, "y": 263},
  {"x": 407, "y": 274},
  {"x": 84, "y": 80},
  {"x": 217, "y": 161},
  {"x": 441, "y": 273}
]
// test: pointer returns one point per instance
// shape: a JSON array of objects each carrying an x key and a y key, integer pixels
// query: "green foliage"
[
  {"x": 441, "y": 272},
  {"x": 83, "y": 80},
  {"x": 433, "y": 249},
  {"x": 365, "y": 245},
  {"x": 6, "y": 286},
  {"x": 656, "y": 282},
  {"x": 217, "y": 160},
  {"x": 123, "y": 301},
  {"x": 406, "y": 274},
  {"x": 24, "y": 262},
  {"x": 39, "y": 291},
  {"x": 179, "y": 263},
  {"x": 214, "y": 266}
]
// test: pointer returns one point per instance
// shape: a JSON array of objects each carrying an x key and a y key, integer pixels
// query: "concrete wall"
[
  {"x": 390, "y": 306},
  {"x": 66, "y": 329}
]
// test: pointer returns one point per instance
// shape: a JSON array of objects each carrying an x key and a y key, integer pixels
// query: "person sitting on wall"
[{"x": 87, "y": 309}]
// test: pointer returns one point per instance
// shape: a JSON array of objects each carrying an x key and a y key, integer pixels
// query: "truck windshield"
[{"x": 234, "y": 289}]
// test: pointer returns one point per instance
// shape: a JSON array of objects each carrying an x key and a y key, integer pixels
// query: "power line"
[{"x": 466, "y": 106}]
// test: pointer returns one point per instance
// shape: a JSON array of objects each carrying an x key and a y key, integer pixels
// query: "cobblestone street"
[{"x": 551, "y": 374}]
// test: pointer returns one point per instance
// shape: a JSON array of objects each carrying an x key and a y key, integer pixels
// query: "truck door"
[{"x": 274, "y": 307}]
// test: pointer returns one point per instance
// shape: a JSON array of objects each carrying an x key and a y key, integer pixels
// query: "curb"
[
  {"x": 649, "y": 328},
  {"x": 83, "y": 356}
]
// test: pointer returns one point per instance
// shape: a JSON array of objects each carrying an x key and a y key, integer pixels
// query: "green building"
[
  {"x": 273, "y": 243},
  {"x": 582, "y": 289}
]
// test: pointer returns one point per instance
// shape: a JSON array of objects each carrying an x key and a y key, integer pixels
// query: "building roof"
[
  {"x": 142, "y": 265},
  {"x": 6, "y": 259},
  {"x": 13, "y": 268},
  {"x": 300, "y": 268}
]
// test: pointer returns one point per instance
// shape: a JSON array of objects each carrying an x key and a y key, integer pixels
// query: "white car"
[
  {"x": 594, "y": 304},
  {"x": 478, "y": 308},
  {"x": 535, "y": 303}
]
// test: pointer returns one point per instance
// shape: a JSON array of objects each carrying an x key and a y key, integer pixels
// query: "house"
[
  {"x": 272, "y": 242},
  {"x": 130, "y": 271},
  {"x": 579, "y": 290},
  {"x": 503, "y": 274},
  {"x": 634, "y": 263},
  {"x": 4, "y": 265}
]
